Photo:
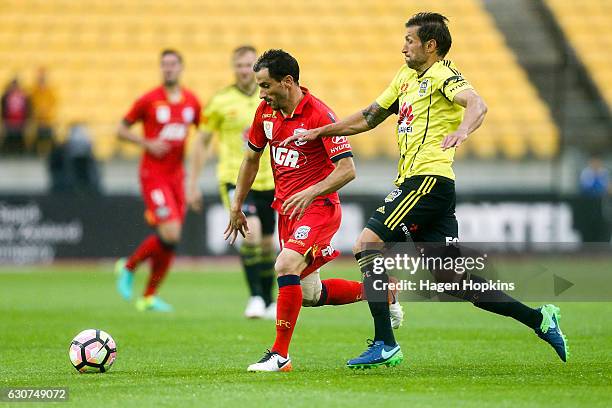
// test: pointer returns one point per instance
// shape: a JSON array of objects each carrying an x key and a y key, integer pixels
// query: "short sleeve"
[
  {"x": 257, "y": 136},
  {"x": 389, "y": 98},
  {"x": 137, "y": 111},
  {"x": 452, "y": 82},
  {"x": 211, "y": 117}
]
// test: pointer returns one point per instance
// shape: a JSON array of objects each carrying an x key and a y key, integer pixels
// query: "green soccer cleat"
[
  {"x": 153, "y": 304},
  {"x": 125, "y": 279},
  {"x": 377, "y": 354},
  {"x": 550, "y": 331}
]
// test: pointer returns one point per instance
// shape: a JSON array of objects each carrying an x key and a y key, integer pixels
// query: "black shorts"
[
  {"x": 422, "y": 208},
  {"x": 257, "y": 203}
]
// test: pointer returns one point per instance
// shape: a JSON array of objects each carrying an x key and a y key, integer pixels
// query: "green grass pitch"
[{"x": 455, "y": 354}]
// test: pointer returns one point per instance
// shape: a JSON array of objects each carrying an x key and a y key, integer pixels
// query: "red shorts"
[
  {"x": 164, "y": 200},
  {"x": 311, "y": 235}
]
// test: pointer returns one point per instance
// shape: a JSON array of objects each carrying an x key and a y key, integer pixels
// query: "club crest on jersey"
[
  {"x": 423, "y": 87},
  {"x": 188, "y": 114},
  {"x": 301, "y": 232},
  {"x": 393, "y": 195},
  {"x": 268, "y": 126},
  {"x": 162, "y": 114},
  {"x": 297, "y": 132}
]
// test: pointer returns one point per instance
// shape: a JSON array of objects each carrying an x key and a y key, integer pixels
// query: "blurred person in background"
[
  {"x": 44, "y": 107},
  {"x": 16, "y": 111},
  {"x": 167, "y": 112},
  {"x": 228, "y": 115},
  {"x": 595, "y": 178}
]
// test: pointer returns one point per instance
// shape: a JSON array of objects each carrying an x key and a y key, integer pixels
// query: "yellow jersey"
[
  {"x": 229, "y": 115},
  {"x": 426, "y": 115}
]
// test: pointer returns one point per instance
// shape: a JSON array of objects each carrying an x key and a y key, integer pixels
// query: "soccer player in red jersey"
[
  {"x": 166, "y": 112},
  {"x": 307, "y": 177}
]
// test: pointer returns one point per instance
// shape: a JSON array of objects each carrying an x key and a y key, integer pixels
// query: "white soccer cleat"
[
  {"x": 270, "y": 312},
  {"x": 396, "y": 312},
  {"x": 256, "y": 308},
  {"x": 271, "y": 361}
]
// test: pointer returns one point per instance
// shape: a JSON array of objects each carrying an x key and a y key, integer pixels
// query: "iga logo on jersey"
[
  {"x": 162, "y": 114},
  {"x": 173, "y": 131},
  {"x": 301, "y": 232},
  {"x": 285, "y": 157}
]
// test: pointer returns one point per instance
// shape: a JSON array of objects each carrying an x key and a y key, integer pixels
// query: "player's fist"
[{"x": 156, "y": 147}]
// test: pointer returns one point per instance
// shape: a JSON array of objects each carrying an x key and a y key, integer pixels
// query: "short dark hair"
[
  {"x": 432, "y": 26},
  {"x": 280, "y": 64},
  {"x": 243, "y": 49},
  {"x": 170, "y": 51}
]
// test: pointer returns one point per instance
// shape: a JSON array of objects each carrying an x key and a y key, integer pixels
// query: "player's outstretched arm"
[
  {"x": 358, "y": 122},
  {"x": 246, "y": 177},
  {"x": 197, "y": 162},
  {"x": 339, "y": 177},
  {"x": 156, "y": 147},
  {"x": 475, "y": 111}
]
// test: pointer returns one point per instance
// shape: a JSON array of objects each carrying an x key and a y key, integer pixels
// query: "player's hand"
[
  {"x": 304, "y": 136},
  {"x": 156, "y": 147},
  {"x": 299, "y": 202},
  {"x": 194, "y": 198},
  {"x": 454, "y": 139},
  {"x": 237, "y": 224}
]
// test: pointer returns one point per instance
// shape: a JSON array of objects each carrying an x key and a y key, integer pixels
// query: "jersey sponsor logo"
[
  {"x": 268, "y": 128},
  {"x": 173, "y": 131},
  {"x": 339, "y": 139},
  {"x": 381, "y": 209},
  {"x": 188, "y": 114},
  {"x": 162, "y": 114},
  {"x": 295, "y": 241},
  {"x": 297, "y": 132},
  {"x": 405, "y": 229},
  {"x": 393, "y": 195},
  {"x": 405, "y": 119},
  {"x": 285, "y": 157},
  {"x": 301, "y": 232},
  {"x": 337, "y": 149},
  {"x": 423, "y": 87},
  {"x": 269, "y": 115}
]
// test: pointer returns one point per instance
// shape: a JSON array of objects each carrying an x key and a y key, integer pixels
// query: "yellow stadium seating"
[
  {"x": 588, "y": 27},
  {"x": 101, "y": 54}
]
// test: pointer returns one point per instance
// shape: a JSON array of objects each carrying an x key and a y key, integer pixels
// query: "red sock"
[
  {"x": 288, "y": 307},
  {"x": 342, "y": 292},
  {"x": 150, "y": 246},
  {"x": 160, "y": 264}
]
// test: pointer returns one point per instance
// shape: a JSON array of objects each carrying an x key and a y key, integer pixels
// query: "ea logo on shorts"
[{"x": 301, "y": 232}]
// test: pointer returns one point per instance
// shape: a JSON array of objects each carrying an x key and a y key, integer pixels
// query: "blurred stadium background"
[{"x": 543, "y": 67}]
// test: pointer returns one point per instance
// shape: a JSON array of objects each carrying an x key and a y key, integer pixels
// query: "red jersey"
[
  {"x": 301, "y": 164},
  {"x": 169, "y": 122}
]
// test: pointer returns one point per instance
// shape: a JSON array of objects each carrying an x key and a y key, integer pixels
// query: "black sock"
[
  {"x": 498, "y": 302},
  {"x": 249, "y": 256},
  {"x": 265, "y": 265},
  {"x": 377, "y": 299}
]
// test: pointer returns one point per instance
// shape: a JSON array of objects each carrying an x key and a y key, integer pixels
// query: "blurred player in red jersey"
[
  {"x": 307, "y": 177},
  {"x": 166, "y": 112}
]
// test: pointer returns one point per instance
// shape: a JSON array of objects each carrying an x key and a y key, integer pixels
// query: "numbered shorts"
[
  {"x": 311, "y": 235},
  {"x": 164, "y": 200},
  {"x": 422, "y": 208},
  {"x": 257, "y": 203}
]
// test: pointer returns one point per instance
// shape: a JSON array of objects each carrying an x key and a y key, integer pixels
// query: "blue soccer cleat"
[
  {"x": 125, "y": 279},
  {"x": 550, "y": 331},
  {"x": 153, "y": 304},
  {"x": 377, "y": 354}
]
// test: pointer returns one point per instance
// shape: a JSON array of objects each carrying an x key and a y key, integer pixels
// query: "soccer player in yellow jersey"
[
  {"x": 437, "y": 109},
  {"x": 229, "y": 115}
]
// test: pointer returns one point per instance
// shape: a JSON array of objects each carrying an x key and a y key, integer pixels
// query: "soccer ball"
[{"x": 92, "y": 351}]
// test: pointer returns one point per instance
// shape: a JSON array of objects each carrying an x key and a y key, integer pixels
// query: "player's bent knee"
[
  {"x": 311, "y": 289},
  {"x": 287, "y": 263}
]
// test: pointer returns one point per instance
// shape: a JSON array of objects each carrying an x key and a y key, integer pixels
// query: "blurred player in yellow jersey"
[{"x": 228, "y": 115}]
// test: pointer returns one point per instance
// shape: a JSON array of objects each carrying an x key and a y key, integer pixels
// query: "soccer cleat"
[
  {"x": 153, "y": 304},
  {"x": 377, "y": 354},
  {"x": 125, "y": 279},
  {"x": 395, "y": 308},
  {"x": 270, "y": 312},
  {"x": 550, "y": 331},
  {"x": 256, "y": 308},
  {"x": 272, "y": 361}
]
